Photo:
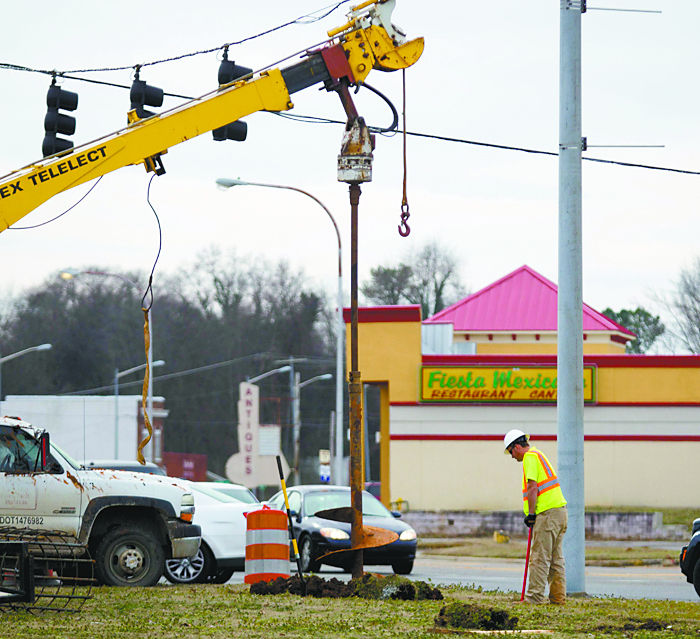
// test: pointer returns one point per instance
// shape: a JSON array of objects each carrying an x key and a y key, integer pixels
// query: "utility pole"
[
  {"x": 294, "y": 404},
  {"x": 570, "y": 299}
]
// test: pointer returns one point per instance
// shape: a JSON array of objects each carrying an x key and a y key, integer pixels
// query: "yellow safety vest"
[{"x": 537, "y": 467}]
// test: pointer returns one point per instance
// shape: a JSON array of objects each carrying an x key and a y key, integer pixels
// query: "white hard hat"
[{"x": 511, "y": 436}]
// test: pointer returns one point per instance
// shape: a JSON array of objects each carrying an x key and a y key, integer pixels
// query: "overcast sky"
[{"x": 489, "y": 73}]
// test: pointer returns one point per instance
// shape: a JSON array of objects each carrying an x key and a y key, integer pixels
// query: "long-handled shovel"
[{"x": 527, "y": 562}]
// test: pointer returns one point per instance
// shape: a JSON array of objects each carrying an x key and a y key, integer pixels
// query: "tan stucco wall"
[
  {"x": 477, "y": 476},
  {"x": 452, "y": 474},
  {"x": 390, "y": 351}
]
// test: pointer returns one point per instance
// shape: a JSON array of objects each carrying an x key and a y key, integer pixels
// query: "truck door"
[{"x": 46, "y": 500}]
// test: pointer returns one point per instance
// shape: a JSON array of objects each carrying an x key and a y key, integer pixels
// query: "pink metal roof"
[{"x": 523, "y": 300}]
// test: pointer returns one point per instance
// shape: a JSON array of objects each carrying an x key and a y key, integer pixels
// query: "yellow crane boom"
[{"x": 368, "y": 41}]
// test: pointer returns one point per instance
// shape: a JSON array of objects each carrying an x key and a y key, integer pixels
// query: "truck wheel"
[
  {"x": 696, "y": 576},
  {"x": 129, "y": 556}
]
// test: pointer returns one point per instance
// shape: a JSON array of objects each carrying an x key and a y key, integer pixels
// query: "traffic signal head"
[
  {"x": 143, "y": 94},
  {"x": 234, "y": 131},
  {"x": 58, "y": 123},
  {"x": 228, "y": 72}
]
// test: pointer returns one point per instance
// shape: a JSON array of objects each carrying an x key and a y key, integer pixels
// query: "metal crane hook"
[{"x": 404, "y": 228}]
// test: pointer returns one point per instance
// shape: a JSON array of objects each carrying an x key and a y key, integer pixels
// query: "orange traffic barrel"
[{"x": 267, "y": 545}]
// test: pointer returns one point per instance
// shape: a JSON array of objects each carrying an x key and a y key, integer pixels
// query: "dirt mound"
[
  {"x": 367, "y": 587},
  {"x": 371, "y": 586},
  {"x": 464, "y": 615},
  {"x": 314, "y": 586},
  {"x": 635, "y": 624}
]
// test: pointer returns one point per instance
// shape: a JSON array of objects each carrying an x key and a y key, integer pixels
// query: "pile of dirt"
[
  {"x": 464, "y": 615},
  {"x": 313, "y": 586},
  {"x": 635, "y": 624},
  {"x": 369, "y": 586}
]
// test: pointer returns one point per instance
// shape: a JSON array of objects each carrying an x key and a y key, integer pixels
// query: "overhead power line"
[
  {"x": 311, "y": 119},
  {"x": 307, "y": 18}
]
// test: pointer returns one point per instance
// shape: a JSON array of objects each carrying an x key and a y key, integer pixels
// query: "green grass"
[
  {"x": 516, "y": 548},
  {"x": 230, "y": 611}
]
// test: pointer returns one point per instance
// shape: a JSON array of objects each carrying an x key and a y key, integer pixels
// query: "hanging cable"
[
  {"x": 53, "y": 219},
  {"x": 404, "y": 228},
  {"x": 395, "y": 122},
  {"x": 146, "y": 309}
]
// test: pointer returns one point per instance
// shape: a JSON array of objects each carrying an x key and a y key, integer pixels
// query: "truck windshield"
[{"x": 65, "y": 456}]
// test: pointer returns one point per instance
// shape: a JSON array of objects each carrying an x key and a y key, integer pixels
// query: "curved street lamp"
[
  {"x": 7, "y": 358},
  {"x": 226, "y": 183}
]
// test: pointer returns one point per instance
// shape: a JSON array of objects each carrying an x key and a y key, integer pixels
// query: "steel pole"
[
  {"x": 570, "y": 299},
  {"x": 152, "y": 443},
  {"x": 355, "y": 392},
  {"x": 116, "y": 413},
  {"x": 296, "y": 421},
  {"x": 339, "y": 379}
]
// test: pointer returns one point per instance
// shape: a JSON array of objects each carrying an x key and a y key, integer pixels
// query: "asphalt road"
[{"x": 630, "y": 582}]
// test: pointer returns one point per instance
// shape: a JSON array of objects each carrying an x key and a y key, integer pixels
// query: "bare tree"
[
  {"x": 429, "y": 278},
  {"x": 685, "y": 307}
]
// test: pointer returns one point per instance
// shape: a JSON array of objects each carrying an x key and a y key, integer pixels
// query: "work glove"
[{"x": 530, "y": 520}]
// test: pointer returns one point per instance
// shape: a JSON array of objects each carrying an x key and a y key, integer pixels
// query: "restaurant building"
[{"x": 453, "y": 384}]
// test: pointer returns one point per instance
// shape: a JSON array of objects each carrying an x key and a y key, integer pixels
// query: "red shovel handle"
[{"x": 527, "y": 562}]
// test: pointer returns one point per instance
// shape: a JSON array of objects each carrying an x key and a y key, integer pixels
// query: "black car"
[
  {"x": 690, "y": 558},
  {"x": 317, "y": 536}
]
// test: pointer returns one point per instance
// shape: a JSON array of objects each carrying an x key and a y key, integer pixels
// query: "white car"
[
  {"x": 222, "y": 551},
  {"x": 237, "y": 491}
]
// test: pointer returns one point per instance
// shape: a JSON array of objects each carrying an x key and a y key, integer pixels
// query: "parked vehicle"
[
  {"x": 690, "y": 557},
  {"x": 121, "y": 464},
  {"x": 237, "y": 491},
  {"x": 130, "y": 522},
  {"x": 222, "y": 551},
  {"x": 317, "y": 536}
]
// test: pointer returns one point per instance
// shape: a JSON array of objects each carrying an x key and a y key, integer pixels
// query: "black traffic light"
[
  {"x": 143, "y": 94},
  {"x": 55, "y": 122},
  {"x": 228, "y": 72}
]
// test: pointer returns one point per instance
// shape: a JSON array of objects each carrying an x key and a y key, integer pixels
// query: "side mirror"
[
  {"x": 295, "y": 516},
  {"x": 396, "y": 514},
  {"x": 45, "y": 444}
]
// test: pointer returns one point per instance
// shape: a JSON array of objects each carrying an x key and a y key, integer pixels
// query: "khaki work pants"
[{"x": 547, "y": 557}]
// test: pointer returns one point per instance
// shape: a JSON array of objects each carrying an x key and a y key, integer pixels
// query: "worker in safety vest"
[{"x": 545, "y": 514}]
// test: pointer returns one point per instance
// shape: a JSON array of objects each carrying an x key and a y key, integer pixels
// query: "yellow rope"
[{"x": 144, "y": 393}]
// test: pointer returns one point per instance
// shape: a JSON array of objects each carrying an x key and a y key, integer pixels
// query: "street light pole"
[
  {"x": 7, "y": 358},
  {"x": 117, "y": 376},
  {"x": 226, "y": 183},
  {"x": 70, "y": 273},
  {"x": 296, "y": 412},
  {"x": 257, "y": 378}
]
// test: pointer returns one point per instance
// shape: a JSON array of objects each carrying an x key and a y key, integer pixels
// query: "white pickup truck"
[{"x": 130, "y": 522}]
